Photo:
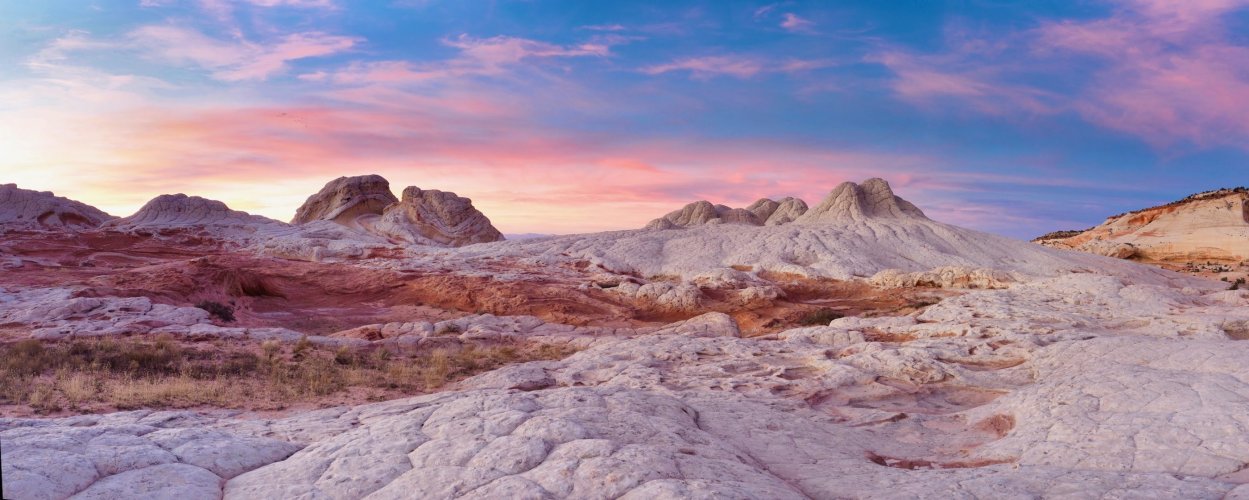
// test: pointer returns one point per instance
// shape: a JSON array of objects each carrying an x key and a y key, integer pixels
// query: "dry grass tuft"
[{"x": 106, "y": 374}]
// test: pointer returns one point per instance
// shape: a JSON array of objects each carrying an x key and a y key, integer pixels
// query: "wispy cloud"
[
  {"x": 477, "y": 57},
  {"x": 738, "y": 66},
  {"x": 234, "y": 60},
  {"x": 604, "y": 27},
  {"x": 794, "y": 23},
  {"x": 1156, "y": 69}
]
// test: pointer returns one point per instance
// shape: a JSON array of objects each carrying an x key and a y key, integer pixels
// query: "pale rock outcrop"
[
  {"x": 1210, "y": 226},
  {"x": 858, "y": 231},
  {"x": 432, "y": 217},
  {"x": 42, "y": 210},
  {"x": 944, "y": 277},
  {"x": 788, "y": 210},
  {"x": 660, "y": 295},
  {"x": 179, "y": 211},
  {"x": 703, "y": 212},
  {"x": 347, "y": 200},
  {"x": 874, "y": 199},
  {"x": 763, "y": 208}
]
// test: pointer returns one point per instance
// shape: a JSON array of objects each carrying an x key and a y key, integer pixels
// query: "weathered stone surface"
[
  {"x": 346, "y": 199},
  {"x": 1210, "y": 226},
  {"x": 432, "y": 217},
  {"x": 26, "y": 209}
]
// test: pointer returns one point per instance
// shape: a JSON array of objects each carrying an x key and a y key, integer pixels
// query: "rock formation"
[
  {"x": 422, "y": 217},
  {"x": 432, "y": 217},
  {"x": 1040, "y": 374},
  {"x": 347, "y": 199},
  {"x": 26, "y": 209},
  {"x": 174, "y": 211},
  {"x": 1210, "y": 226},
  {"x": 849, "y": 201},
  {"x": 787, "y": 210},
  {"x": 874, "y": 199}
]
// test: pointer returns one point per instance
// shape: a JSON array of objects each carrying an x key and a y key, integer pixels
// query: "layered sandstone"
[
  {"x": 346, "y": 200},
  {"x": 1210, "y": 226},
  {"x": 433, "y": 217}
]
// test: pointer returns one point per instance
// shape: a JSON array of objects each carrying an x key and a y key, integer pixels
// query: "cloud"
[
  {"x": 736, "y": 66},
  {"x": 234, "y": 60},
  {"x": 477, "y": 57},
  {"x": 1155, "y": 69},
  {"x": 793, "y": 23},
  {"x": 766, "y": 9},
  {"x": 604, "y": 27}
]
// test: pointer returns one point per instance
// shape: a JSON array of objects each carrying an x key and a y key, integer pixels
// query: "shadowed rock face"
[
  {"x": 346, "y": 199},
  {"x": 436, "y": 217},
  {"x": 850, "y": 201},
  {"x": 27, "y": 209}
]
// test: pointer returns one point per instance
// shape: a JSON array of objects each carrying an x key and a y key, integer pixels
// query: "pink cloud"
[
  {"x": 1166, "y": 74},
  {"x": 234, "y": 60},
  {"x": 1163, "y": 72},
  {"x": 705, "y": 67},
  {"x": 738, "y": 66},
  {"x": 792, "y": 22},
  {"x": 477, "y": 57}
]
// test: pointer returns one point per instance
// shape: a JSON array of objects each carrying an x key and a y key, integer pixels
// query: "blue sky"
[{"x": 566, "y": 116}]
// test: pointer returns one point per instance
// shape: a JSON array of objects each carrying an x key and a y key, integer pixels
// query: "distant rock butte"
[
  {"x": 425, "y": 217},
  {"x": 180, "y": 210},
  {"x": 27, "y": 209},
  {"x": 437, "y": 218},
  {"x": 346, "y": 199},
  {"x": 1209, "y": 226},
  {"x": 871, "y": 200},
  {"x": 849, "y": 201}
]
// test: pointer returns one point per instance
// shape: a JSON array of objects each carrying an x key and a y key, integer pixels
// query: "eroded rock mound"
[
  {"x": 787, "y": 210},
  {"x": 346, "y": 199},
  {"x": 433, "y": 217},
  {"x": 703, "y": 212},
  {"x": 27, "y": 209},
  {"x": 170, "y": 211},
  {"x": 872, "y": 199}
]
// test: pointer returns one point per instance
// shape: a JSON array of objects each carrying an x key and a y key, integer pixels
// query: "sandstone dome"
[
  {"x": 433, "y": 217},
  {"x": 172, "y": 211},
  {"x": 849, "y": 201},
  {"x": 346, "y": 200},
  {"x": 27, "y": 209}
]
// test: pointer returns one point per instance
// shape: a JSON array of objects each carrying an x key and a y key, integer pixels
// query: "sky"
[{"x": 1012, "y": 117}]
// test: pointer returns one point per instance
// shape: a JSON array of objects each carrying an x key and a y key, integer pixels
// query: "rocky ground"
[{"x": 856, "y": 349}]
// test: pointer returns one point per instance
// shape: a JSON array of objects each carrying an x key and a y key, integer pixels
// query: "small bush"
[
  {"x": 301, "y": 348},
  {"x": 820, "y": 317},
  {"x": 1237, "y": 284},
  {"x": 217, "y": 310}
]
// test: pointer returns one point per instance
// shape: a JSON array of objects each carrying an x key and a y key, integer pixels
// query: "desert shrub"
[
  {"x": 819, "y": 317},
  {"x": 217, "y": 310},
  {"x": 1240, "y": 282},
  {"x": 301, "y": 348},
  {"x": 344, "y": 356},
  {"x": 448, "y": 329},
  {"x": 271, "y": 349}
]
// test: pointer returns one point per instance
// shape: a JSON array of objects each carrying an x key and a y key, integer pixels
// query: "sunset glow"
[{"x": 560, "y": 117}]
